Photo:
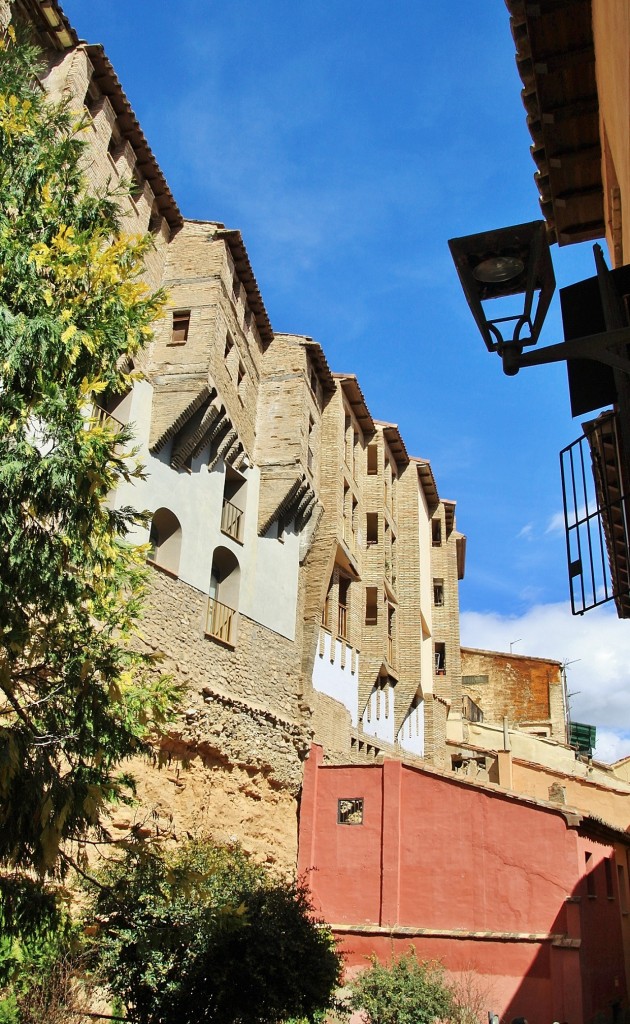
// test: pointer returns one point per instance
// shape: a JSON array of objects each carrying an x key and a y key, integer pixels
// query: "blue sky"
[{"x": 348, "y": 142}]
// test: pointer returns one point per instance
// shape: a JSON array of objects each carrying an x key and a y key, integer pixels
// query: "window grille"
[
  {"x": 596, "y": 518},
  {"x": 350, "y": 811}
]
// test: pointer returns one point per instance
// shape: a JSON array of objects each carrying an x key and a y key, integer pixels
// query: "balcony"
[
  {"x": 342, "y": 622},
  {"x": 105, "y": 419},
  {"x": 596, "y": 518},
  {"x": 231, "y": 520},
  {"x": 221, "y": 622}
]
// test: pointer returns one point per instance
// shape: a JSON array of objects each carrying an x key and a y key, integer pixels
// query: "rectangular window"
[
  {"x": 372, "y": 459},
  {"x": 440, "y": 659},
  {"x": 326, "y": 617},
  {"x": 609, "y": 878},
  {"x": 590, "y": 876},
  {"x": 350, "y": 811},
  {"x": 240, "y": 377},
  {"x": 229, "y": 345},
  {"x": 310, "y": 457},
  {"x": 181, "y": 324},
  {"x": 438, "y": 593},
  {"x": 436, "y": 532},
  {"x": 371, "y": 528},
  {"x": 344, "y": 598},
  {"x": 137, "y": 185},
  {"x": 623, "y": 892},
  {"x": 371, "y": 606}
]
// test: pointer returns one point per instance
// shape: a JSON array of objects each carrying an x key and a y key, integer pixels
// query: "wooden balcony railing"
[
  {"x": 105, "y": 419},
  {"x": 342, "y": 622},
  {"x": 231, "y": 520},
  {"x": 220, "y": 621}
]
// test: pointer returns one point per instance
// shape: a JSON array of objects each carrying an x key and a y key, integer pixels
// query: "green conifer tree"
[{"x": 76, "y": 697}]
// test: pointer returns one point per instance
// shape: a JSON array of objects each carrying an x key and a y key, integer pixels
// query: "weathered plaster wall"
[
  {"x": 528, "y": 691},
  {"x": 589, "y": 790}
]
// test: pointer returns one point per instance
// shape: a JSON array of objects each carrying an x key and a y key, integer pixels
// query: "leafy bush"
[
  {"x": 41, "y": 964},
  {"x": 403, "y": 991},
  {"x": 207, "y": 935}
]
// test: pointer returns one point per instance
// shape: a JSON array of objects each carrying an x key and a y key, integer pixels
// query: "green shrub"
[
  {"x": 403, "y": 991},
  {"x": 207, "y": 935}
]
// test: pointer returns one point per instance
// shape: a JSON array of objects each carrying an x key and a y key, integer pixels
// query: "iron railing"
[{"x": 596, "y": 518}]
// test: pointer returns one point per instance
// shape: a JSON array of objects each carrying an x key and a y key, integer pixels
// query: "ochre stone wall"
[
  {"x": 202, "y": 793},
  {"x": 237, "y": 751}
]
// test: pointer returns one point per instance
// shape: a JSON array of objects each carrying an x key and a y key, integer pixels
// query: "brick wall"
[{"x": 528, "y": 691}]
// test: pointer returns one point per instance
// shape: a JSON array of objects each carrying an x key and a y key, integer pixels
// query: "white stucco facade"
[{"x": 268, "y": 566}]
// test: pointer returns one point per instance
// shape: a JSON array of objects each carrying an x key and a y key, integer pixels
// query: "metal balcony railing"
[
  {"x": 220, "y": 621},
  {"x": 231, "y": 520},
  {"x": 596, "y": 517}
]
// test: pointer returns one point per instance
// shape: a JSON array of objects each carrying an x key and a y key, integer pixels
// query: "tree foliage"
[
  {"x": 42, "y": 971},
  {"x": 76, "y": 698},
  {"x": 404, "y": 991},
  {"x": 207, "y": 935}
]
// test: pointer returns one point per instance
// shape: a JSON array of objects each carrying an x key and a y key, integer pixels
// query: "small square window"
[
  {"x": 350, "y": 811},
  {"x": 181, "y": 324}
]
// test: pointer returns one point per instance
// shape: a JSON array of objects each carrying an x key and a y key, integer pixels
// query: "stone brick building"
[
  {"x": 305, "y": 569},
  {"x": 304, "y": 586}
]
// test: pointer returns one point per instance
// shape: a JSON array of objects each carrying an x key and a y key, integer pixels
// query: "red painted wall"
[{"x": 436, "y": 862}]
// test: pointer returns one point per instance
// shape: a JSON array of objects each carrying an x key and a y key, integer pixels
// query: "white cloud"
[
  {"x": 595, "y": 648},
  {"x": 556, "y": 523},
  {"x": 526, "y": 532}
]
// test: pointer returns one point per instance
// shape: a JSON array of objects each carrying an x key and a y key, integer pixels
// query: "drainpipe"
[{"x": 504, "y": 758}]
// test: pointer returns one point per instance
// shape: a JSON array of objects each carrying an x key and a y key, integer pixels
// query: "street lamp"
[
  {"x": 515, "y": 261},
  {"x": 514, "y": 264}
]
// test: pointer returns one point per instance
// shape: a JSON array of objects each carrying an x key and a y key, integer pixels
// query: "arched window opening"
[
  {"x": 165, "y": 541},
  {"x": 225, "y": 581}
]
